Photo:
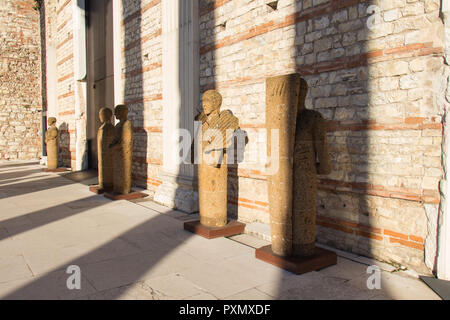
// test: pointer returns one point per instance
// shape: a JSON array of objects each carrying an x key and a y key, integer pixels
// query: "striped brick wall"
[{"x": 374, "y": 87}]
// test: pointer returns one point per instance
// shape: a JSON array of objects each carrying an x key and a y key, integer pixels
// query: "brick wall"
[
  {"x": 376, "y": 88},
  {"x": 20, "y": 89},
  {"x": 142, "y": 82}
]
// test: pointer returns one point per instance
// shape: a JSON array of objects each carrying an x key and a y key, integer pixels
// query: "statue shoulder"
[
  {"x": 128, "y": 125},
  {"x": 229, "y": 119},
  {"x": 200, "y": 117}
]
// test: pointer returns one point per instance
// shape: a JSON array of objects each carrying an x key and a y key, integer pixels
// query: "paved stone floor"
[{"x": 139, "y": 250}]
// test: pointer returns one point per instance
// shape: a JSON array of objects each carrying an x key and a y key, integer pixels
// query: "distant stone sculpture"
[
  {"x": 105, "y": 136},
  {"x": 293, "y": 189},
  {"x": 212, "y": 171},
  {"x": 52, "y": 143},
  {"x": 122, "y": 147}
]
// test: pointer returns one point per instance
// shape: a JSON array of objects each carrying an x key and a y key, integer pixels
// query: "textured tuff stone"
[{"x": 20, "y": 83}]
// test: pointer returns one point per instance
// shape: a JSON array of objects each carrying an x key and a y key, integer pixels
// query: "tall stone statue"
[
  {"x": 217, "y": 131},
  {"x": 52, "y": 143},
  {"x": 122, "y": 147},
  {"x": 311, "y": 157},
  {"x": 303, "y": 153},
  {"x": 105, "y": 136},
  {"x": 282, "y": 93}
]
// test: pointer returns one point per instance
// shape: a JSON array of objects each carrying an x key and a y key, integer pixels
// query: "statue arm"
[
  {"x": 51, "y": 134},
  {"x": 321, "y": 146},
  {"x": 127, "y": 134}
]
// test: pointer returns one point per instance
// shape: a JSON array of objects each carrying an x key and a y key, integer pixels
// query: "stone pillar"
[
  {"x": 180, "y": 38},
  {"x": 443, "y": 247},
  {"x": 79, "y": 54},
  {"x": 117, "y": 52},
  {"x": 281, "y": 114}
]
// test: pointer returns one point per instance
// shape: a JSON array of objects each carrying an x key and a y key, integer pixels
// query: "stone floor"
[{"x": 139, "y": 250}]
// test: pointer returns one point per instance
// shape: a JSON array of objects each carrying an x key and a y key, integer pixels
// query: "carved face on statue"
[
  {"x": 121, "y": 112},
  {"x": 211, "y": 101},
  {"x": 51, "y": 121},
  {"x": 105, "y": 115}
]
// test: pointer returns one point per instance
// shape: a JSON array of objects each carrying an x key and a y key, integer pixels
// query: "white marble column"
[
  {"x": 443, "y": 241},
  {"x": 180, "y": 69},
  {"x": 79, "y": 54},
  {"x": 117, "y": 48}
]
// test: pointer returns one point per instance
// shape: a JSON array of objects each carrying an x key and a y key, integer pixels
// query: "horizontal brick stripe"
[
  {"x": 246, "y": 203},
  {"x": 156, "y": 129},
  {"x": 144, "y": 160},
  {"x": 65, "y": 131},
  {"x": 142, "y": 40},
  {"x": 141, "y": 70},
  {"x": 70, "y": 37},
  {"x": 426, "y": 196},
  {"x": 66, "y": 113},
  {"x": 412, "y": 123},
  {"x": 65, "y": 95},
  {"x": 140, "y": 12},
  {"x": 396, "y": 234},
  {"x": 65, "y": 59},
  {"x": 415, "y": 242},
  {"x": 63, "y": 6},
  {"x": 406, "y": 243},
  {"x": 154, "y": 97},
  {"x": 67, "y": 76}
]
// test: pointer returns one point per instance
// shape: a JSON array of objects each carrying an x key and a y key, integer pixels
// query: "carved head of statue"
[
  {"x": 51, "y": 121},
  {"x": 105, "y": 115},
  {"x": 121, "y": 112},
  {"x": 302, "y": 94},
  {"x": 211, "y": 101}
]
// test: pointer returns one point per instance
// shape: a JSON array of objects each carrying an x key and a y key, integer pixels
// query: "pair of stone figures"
[
  {"x": 115, "y": 146},
  {"x": 302, "y": 154}
]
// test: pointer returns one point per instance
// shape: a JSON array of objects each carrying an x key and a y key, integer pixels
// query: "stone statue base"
[
  {"x": 97, "y": 190},
  {"x": 129, "y": 196},
  {"x": 57, "y": 170},
  {"x": 322, "y": 258},
  {"x": 232, "y": 228}
]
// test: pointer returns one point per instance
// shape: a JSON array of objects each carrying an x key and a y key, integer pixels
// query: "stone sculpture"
[
  {"x": 216, "y": 136},
  {"x": 52, "y": 142},
  {"x": 281, "y": 112},
  {"x": 311, "y": 157},
  {"x": 122, "y": 148},
  {"x": 105, "y": 136},
  {"x": 293, "y": 189}
]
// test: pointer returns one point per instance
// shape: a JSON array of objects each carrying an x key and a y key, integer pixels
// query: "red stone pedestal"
[
  {"x": 57, "y": 170},
  {"x": 321, "y": 259},
  {"x": 232, "y": 228},
  {"x": 129, "y": 196},
  {"x": 97, "y": 190}
]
